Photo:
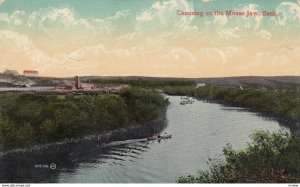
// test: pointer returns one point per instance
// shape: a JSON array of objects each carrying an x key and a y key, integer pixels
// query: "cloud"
[
  {"x": 145, "y": 16},
  {"x": 4, "y": 17},
  {"x": 253, "y": 21},
  {"x": 61, "y": 38},
  {"x": 222, "y": 54},
  {"x": 269, "y": 62},
  {"x": 165, "y": 5},
  {"x": 56, "y": 23},
  {"x": 180, "y": 54},
  {"x": 2, "y": 1},
  {"x": 271, "y": 58},
  {"x": 31, "y": 56},
  {"x": 288, "y": 11},
  {"x": 229, "y": 33},
  {"x": 161, "y": 16},
  {"x": 60, "y": 17},
  {"x": 21, "y": 45},
  {"x": 63, "y": 15},
  {"x": 221, "y": 20},
  {"x": 119, "y": 14},
  {"x": 17, "y": 17},
  {"x": 264, "y": 34},
  {"x": 21, "y": 42},
  {"x": 206, "y": 1},
  {"x": 45, "y": 18}
]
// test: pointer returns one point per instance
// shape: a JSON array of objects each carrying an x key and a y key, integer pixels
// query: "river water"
[{"x": 200, "y": 131}]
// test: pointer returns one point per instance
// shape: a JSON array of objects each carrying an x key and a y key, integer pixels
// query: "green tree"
[{"x": 269, "y": 158}]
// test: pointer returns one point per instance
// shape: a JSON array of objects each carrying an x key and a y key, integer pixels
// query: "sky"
[{"x": 62, "y": 38}]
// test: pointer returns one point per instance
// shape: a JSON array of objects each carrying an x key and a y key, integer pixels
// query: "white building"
[{"x": 198, "y": 85}]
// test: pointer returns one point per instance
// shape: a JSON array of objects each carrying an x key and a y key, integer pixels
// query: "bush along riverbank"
[
  {"x": 283, "y": 102},
  {"x": 31, "y": 119},
  {"x": 270, "y": 158}
]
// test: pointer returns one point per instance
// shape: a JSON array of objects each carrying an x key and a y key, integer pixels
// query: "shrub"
[{"x": 270, "y": 158}]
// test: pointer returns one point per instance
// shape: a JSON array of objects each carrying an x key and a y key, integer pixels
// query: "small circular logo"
[{"x": 53, "y": 166}]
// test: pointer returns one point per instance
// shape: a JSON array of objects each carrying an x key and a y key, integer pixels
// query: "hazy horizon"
[{"x": 148, "y": 38}]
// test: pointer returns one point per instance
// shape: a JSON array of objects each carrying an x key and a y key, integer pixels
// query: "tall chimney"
[{"x": 77, "y": 82}]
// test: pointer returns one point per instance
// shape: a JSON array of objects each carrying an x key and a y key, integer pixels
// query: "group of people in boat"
[
  {"x": 186, "y": 100},
  {"x": 159, "y": 137}
]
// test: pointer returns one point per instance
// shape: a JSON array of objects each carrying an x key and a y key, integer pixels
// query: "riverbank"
[
  {"x": 282, "y": 103},
  {"x": 137, "y": 131},
  {"x": 32, "y": 119},
  {"x": 199, "y": 131},
  {"x": 269, "y": 158}
]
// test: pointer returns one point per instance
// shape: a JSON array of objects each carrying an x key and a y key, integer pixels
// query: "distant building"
[
  {"x": 11, "y": 72},
  {"x": 198, "y": 85},
  {"x": 30, "y": 73},
  {"x": 68, "y": 85},
  {"x": 83, "y": 86},
  {"x": 87, "y": 86}
]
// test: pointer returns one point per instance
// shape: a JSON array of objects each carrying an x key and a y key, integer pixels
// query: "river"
[{"x": 200, "y": 131}]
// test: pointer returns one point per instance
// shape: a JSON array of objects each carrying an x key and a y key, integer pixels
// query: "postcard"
[{"x": 149, "y": 91}]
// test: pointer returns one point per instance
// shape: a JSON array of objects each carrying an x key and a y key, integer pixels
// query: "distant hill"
[
  {"x": 6, "y": 80},
  {"x": 222, "y": 81},
  {"x": 251, "y": 80},
  {"x": 9, "y": 80}
]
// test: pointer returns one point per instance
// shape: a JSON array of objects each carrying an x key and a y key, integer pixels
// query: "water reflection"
[
  {"x": 293, "y": 126},
  {"x": 33, "y": 166}
]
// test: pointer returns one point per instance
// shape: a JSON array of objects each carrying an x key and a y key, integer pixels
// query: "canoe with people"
[
  {"x": 159, "y": 137},
  {"x": 189, "y": 101}
]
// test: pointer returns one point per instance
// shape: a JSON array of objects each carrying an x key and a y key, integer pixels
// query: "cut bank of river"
[{"x": 200, "y": 131}]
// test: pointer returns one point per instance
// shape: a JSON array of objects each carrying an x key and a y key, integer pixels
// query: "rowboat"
[
  {"x": 151, "y": 138},
  {"x": 165, "y": 136}
]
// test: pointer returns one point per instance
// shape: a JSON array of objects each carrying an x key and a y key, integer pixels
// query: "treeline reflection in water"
[{"x": 34, "y": 165}]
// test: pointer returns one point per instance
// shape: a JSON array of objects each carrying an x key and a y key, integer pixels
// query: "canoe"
[
  {"x": 151, "y": 138},
  {"x": 166, "y": 136}
]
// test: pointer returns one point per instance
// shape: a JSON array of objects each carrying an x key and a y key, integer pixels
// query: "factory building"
[
  {"x": 77, "y": 85},
  {"x": 77, "y": 82},
  {"x": 87, "y": 86},
  {"x": 83, "y": 86}
]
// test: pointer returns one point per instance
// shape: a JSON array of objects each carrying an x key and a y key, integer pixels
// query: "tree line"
[{"x": 30, "y": 119}]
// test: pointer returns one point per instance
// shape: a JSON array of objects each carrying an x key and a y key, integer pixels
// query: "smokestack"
[{"x": 77, "y": 82}]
